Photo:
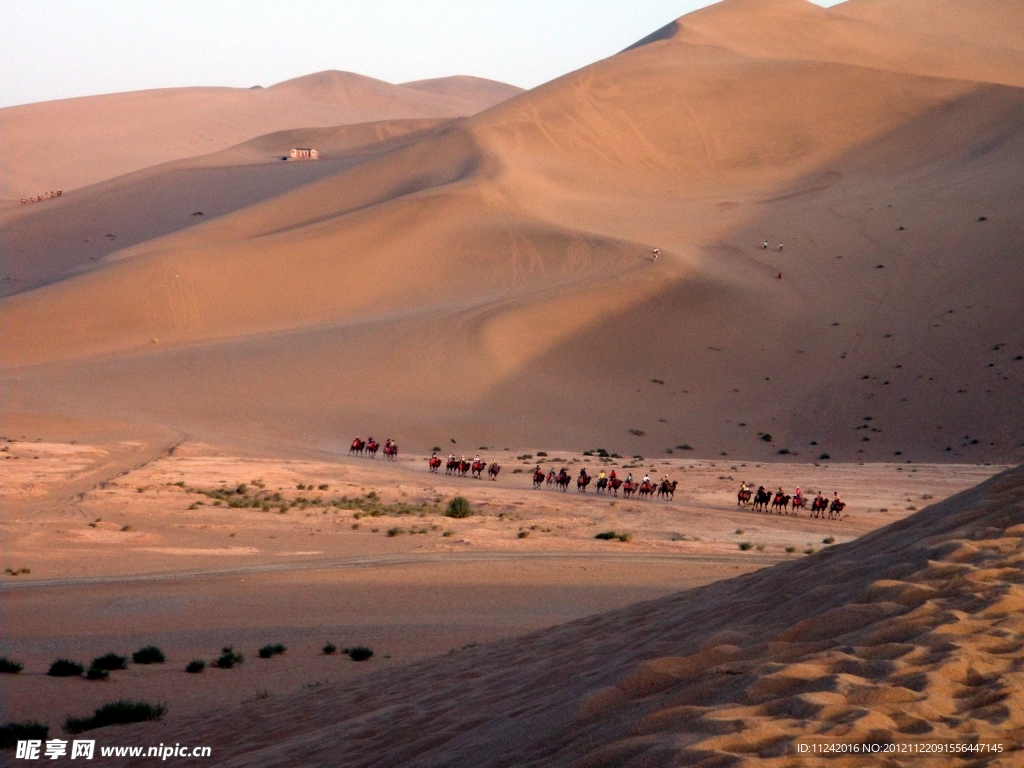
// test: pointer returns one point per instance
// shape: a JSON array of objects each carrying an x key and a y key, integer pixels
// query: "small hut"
[{"x": 304, "y": 153}]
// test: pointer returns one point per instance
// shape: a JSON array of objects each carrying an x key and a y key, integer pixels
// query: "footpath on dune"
[{"x": 911, "y": 633}]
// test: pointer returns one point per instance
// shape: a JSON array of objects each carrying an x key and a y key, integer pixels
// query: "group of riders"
[
  {"x": 781, "y": 501},
  {"x": 371, "y": 446},
  {"x": 606, "y": 483},
  {"x": 463, "y": 466}
]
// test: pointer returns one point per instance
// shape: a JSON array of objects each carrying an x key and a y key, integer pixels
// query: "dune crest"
[{"x": 115, "y": 134}]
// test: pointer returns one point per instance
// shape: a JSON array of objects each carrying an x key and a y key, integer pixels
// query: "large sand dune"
[
  {"x": 72, "y": 143},
  {"x": 493, "y": 281},
  {"x": 909, "y": 634}
]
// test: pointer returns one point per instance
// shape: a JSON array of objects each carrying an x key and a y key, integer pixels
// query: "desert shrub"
[
  {"x": 359, "y": 653},
  {"x": 542, "y": 453},
  {"x": 9, "y": 667},
  {"x": 392, "y": 532},
  {"x": 523, "y": 534},
  {"x": 759, "y": 547},
  {"x": 829, "y": 540},
  {"x": 228, "y": 658},
  {"x": 330, "y": 649},
  {"x": 766, "y": 437},
  {"x": 323, "y": 487},
  {"x": 148, "y": 655},
  {"x": 459, "y": 507},
  {"x": 95, "y": 673},
  {"x": 115, "y": 713},
  {"x": 606, "y": 535},
  {"x": 195, "y": 666},
  {"x": 110, "y": 661},
  {"x": 746, "y": 545},
  {"x": 625, "y": 537},
  {"x": 274, "y": 649},
  {"x": 448, "y": 534},
  {"x": 12, "y": 733},
  {"x": 65, "y": 668},
  {"x": 824, "y": 457},
  {"x": 809, "y": 551}
]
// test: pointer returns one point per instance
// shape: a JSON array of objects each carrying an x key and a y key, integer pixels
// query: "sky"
[{"x": 56, "y": 49}]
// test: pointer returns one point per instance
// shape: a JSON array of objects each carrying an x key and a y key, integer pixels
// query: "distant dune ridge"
[
  {"x": 910, "y": 633},
  {"x": 493, "y": 278},
  {"x": 76, "y": 142}
]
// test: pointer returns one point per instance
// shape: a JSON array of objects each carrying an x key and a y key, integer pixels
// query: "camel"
[{"x": 493, "y": 470}]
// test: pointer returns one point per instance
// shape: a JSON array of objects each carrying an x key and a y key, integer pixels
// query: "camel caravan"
[
  {"x": 369, "y": 447},
  {"x": 40, "y": 198},
  {"x": 782, "y": 502},
  {"x": 463, "y": 466},
  {"x": 607, "y": 484}
]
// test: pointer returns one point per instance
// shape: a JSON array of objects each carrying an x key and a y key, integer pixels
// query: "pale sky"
[{"x": 56, "y": 49}]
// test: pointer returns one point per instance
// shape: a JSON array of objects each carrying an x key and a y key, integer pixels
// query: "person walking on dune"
[
  {"x": 656, "y": 253},
  {"x": 765, "y": 246}
]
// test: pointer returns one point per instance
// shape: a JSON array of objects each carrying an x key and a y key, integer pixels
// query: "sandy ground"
[{"x": 145, "y": 556}]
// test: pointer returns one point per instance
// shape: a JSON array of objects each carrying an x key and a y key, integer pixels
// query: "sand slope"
[
  {"x": 910, "y": 633},
  {"x": 118, "y": 133},
  {"x": 493, "y": 281}
]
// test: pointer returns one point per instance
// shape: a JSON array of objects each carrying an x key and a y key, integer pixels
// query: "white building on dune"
[{"x": 304, "y": 153}]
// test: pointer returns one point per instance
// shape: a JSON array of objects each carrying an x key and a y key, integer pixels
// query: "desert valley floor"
[{"x": 134, "y": 542}]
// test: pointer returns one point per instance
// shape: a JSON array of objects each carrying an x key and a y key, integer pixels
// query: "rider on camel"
[
  {"x": 612, "y": 475},
  {"x": 601, "y": 476},
  {"x": 629, "y": 477}
]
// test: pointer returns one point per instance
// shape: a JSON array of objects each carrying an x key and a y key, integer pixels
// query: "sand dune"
[
  {"x": 115, "y": 134},
  {"x": 464, "y": 87},
  {"x": 908, "y": 634},
  {"x": 47, "y": 242},
  {"x": 942, "y": 38},
  {"x": 493, "y": 280}
]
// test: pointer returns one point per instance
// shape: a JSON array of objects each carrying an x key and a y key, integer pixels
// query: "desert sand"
[
  {"x": 770, "y": 243},
  {"x": 118, "y": 133},
  {"x": 530, "y": 229},
  {"x": 908, "y": 635},
  {"x": 124, "y": 542}
]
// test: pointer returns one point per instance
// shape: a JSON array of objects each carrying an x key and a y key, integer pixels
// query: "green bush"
[
  {"x": 790, "y": 550},
  {"x": 195, "y": 666},
  {"x": 746, "y": 545},
  {"x": 9, "y": 667},
  {"x": 110, "y": 661},
  {"x": 65, "y": 668},
  {"x": 359, "y": 653},
  {"x": 12, "y": 733},
  {"x": 330, "y": 649},
  {"x": 95, "y": 673},
  {"x": 228, "y": 658},
  {"x": 459, "y": 507},
  {"x": 148, "y": 655},
  {"x": 115, "y": 713},
  {"x": 829, "y": 540},
  {"x": 274, "y": 649}
]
